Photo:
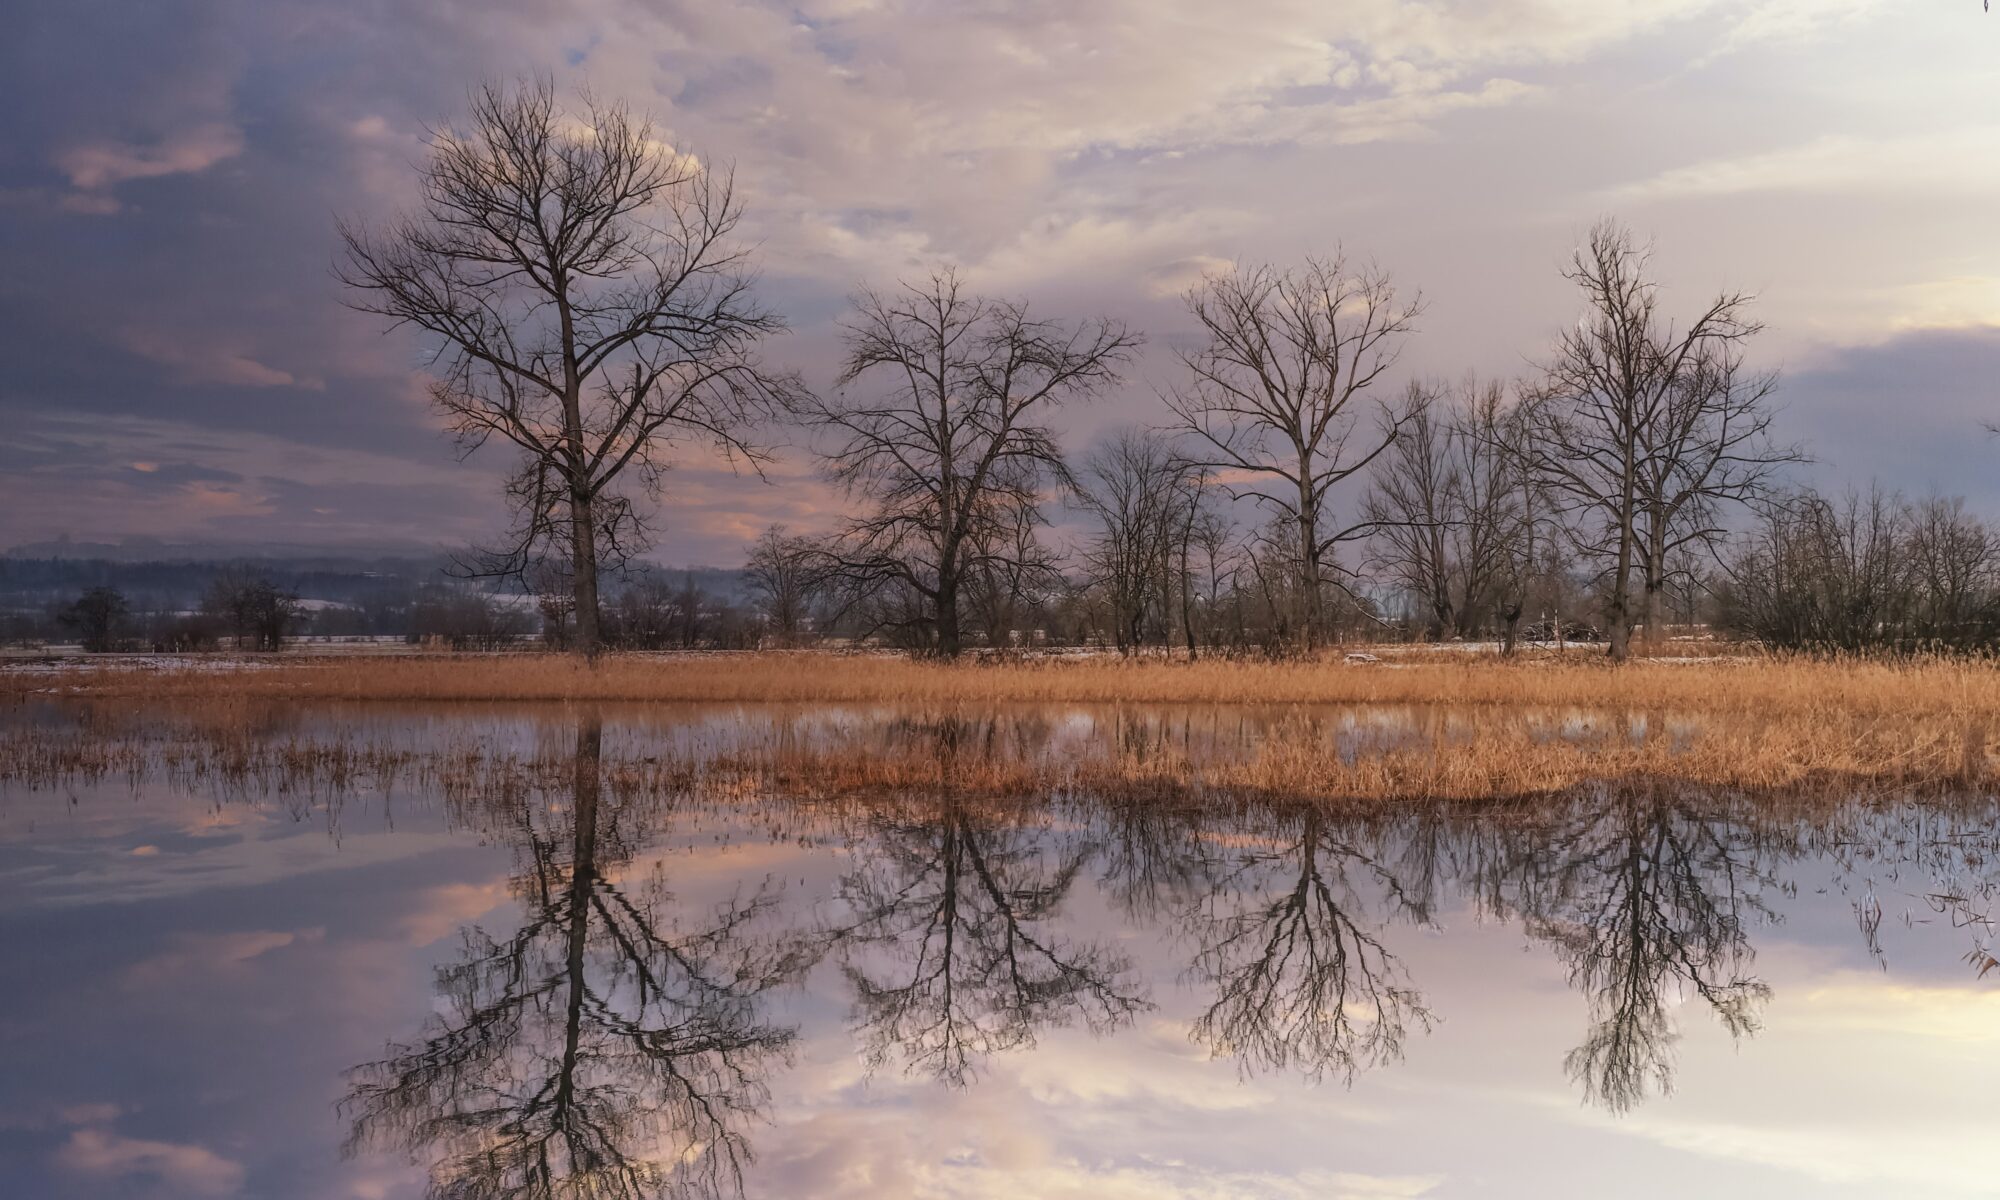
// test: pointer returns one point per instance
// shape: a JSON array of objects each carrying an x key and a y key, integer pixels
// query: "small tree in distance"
[
  {"x": 255, "y": 610},
  {"x": 98, "y": 617},
  {"x": 783, "y": 571}
]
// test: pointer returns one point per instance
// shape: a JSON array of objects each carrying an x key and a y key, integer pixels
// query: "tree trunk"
[
  {"x": 1510, "y": 630},
  {"x": 1187, "y": 603},
  {"x": 1651, "y": 609},
  {"x": 1618, "y": 609},
  {"x": 949, "y": 643},
  {"x": 1309, "y": 598},
  {"x": 583, "y": 562},
  {"x": 584, "y": 785}
]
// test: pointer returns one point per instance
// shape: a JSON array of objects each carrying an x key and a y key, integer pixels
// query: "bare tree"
[
  {"x": 1212, "y": 537},
  {"x": 1145, "y": 496},
  {"x": 1643, "y": 897},
  {"x": 1867, "y": 571},
  {"x": 781, "y": 572},
  {"x": 1303, "y": 978},
  {"x": 946, "y": 447},
  {"x": 582, "y": 299},
  {"x": 1710, "y": 447},
  {"x": 1279, "y": 390},
  {"x": 1416, "y": 501},
  {"x": 1629, "y": 431}
]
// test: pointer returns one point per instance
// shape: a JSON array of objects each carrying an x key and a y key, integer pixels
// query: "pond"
[{"x": 578, "y": 973}]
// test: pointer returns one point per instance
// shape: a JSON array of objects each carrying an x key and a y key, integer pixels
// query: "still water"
[{"x": 560, "y": 984}]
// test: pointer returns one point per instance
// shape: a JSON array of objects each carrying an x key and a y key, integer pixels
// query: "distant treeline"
[{"x": 173, "y": 606}]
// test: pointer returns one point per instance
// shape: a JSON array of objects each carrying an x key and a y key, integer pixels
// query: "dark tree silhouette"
[
  {"x": 98, "y": 617},
  {"x": 592, "y": 1052},
  {"x": 579, "y": 287},
  {"x": 946, "y": 446}
]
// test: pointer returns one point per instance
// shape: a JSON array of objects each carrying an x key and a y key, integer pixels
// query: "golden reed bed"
[{"x": 1762, "y": 685}]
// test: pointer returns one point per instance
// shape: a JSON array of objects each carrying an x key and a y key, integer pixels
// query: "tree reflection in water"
[
  {"x": 604, "y": 1050},
  {"x": 1302, "y": 978},
  {"x": 594, "y": 1052},
  {"x": 953, "y": 943},
  {"x": 1645, "y": 897}
]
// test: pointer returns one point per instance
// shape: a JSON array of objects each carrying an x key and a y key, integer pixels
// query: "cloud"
[
  {"x": 1087, "y": 157},
  {"x": 1174, "y": 278},
  {"x": 1964, "y": 160},
  {"x": 443, "y": 910},
  {"x": 196, "y": 363},
  {"x": 100, "y": 165},
  {"x": 207, "y": 954},
  {"x": 188, "y": 1167},
  {"x": 1795, "y": 20}
]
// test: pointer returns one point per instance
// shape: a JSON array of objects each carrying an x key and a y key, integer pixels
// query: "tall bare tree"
[
  {"x": 1628, "y": 414},
  {"x": 582, "y": 299},
  {"x": 1711, "y": 447},
  {"x": 1280, "y": 389},
  {"x": 945, "y": 444},
  {"x": 1145, "y": 496},
  {"x": 615, "y": 1044},
  {"x": 1451, "y": 515}
]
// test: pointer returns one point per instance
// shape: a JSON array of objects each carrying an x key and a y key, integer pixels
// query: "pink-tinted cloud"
[{"x": 188, "y": 1168}]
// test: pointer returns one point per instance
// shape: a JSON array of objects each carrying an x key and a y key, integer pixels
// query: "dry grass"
[
  {"x": 1344, "y": 757},
  {"x": 1437, "y": 727},
  {"x": 1760, "y": 685}
]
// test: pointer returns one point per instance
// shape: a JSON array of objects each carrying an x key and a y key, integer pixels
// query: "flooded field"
[{"x": 866, "y": 951}]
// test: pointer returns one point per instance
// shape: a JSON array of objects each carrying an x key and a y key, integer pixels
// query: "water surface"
[{"x": 561, "y": 983}]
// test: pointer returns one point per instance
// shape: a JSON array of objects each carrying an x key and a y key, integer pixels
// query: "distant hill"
[{"x": 176, "y": 576}]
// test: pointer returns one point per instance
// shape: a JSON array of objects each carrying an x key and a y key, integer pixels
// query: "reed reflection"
[{"x": 601, "y": 1049}]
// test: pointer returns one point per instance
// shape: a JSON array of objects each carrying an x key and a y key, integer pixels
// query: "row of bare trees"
[
  {"x": 1867, "y": 571},
  {"x": 583, "y": 299}
]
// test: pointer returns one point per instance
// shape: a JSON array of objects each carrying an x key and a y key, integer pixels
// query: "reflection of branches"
[
  {"x": 966, "y": 913},
  {"x": 1638, "y": 896},
  {"x": 1151, "y": 858},
  {"x": 1302, "y": 979},
  {"x": 590, "y": 1054}
]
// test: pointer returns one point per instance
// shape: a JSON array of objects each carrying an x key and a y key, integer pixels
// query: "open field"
[{"x": 1953, "y": 690}]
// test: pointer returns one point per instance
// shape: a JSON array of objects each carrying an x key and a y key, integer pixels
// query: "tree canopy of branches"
[
  {"x": 955, "y": 946},
  {"x": 936, "y": 427},
  {"x": 1642, "y": 430},
  {"x": 1864, "y": 572},
  {"x": 1303, "y": 980},
  {"x": 98, "y": 616},
  {"x": 1456, "y": 515},
  {"x": 1146, "y": 498},
  {"x": 255, "y": 610},
  {"x": 1644, "y": 898},
  {"x": 782, "y": 571},
  {"x": 1280, "y": 389},
  {"x": 581, "y": 297}
]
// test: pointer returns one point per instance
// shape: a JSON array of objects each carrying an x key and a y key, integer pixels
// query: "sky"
[{"x": 180, "y": 365}]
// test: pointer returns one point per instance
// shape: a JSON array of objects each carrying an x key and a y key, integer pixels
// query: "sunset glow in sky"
[{"x": 180, "y": 365}]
